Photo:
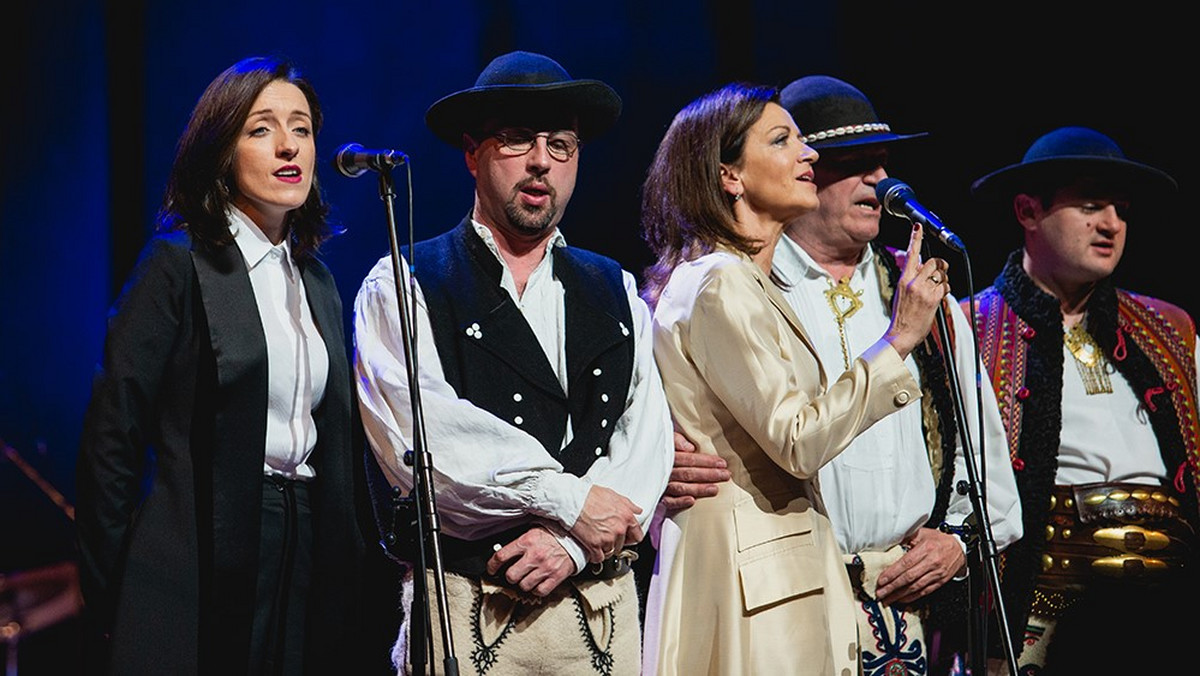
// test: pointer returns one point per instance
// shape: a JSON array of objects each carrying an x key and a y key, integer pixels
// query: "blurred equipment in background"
[
  {"x": 33, "y": 600},
  {"x": 39, "y": 598}
]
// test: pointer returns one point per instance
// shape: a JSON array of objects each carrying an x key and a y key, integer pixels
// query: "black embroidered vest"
[{"x": 491, "y": 356}]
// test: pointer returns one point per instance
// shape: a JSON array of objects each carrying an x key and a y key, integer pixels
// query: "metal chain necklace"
[
  {"x": 844, "y": 302},
  {"x": 1089, "y": 359}
]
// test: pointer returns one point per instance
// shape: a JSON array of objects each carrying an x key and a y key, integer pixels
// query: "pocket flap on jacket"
[
  {"x": 788, "y": 569},
  {"x": 755, "y": 527}
]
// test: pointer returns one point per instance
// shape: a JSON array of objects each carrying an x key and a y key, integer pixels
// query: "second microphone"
[{"x": 353, "y": 160}]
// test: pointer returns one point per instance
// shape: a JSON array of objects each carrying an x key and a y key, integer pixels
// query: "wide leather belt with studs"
[{"x": 1113, "y": 531}]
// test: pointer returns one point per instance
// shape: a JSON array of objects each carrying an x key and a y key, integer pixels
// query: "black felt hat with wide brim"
[
  {"x": 1073, "y": 152},
  {"x": 522, "y": 86},
  {"x": 833, "y": 113}
]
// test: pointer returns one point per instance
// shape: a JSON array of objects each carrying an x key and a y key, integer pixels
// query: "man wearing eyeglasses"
[{"x": 544, "y": 415}]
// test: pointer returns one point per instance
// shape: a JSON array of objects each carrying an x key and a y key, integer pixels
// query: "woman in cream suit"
[{"x": 751, "y": 581}]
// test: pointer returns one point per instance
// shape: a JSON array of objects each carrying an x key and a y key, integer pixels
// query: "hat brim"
[
  {"x": 1140, "y": 179},
  {"x": 862, "y": 139},
  {"x": 594, "y": 104}
]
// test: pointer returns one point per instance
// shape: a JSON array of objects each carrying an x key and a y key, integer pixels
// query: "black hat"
[
  {"x": 832, "y": 113},
  {"x": 523, "y": 84},
  {"x": 1067, "y": 152}
]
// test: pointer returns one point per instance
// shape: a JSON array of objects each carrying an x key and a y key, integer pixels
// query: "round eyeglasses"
[{"x": 560, "y": 144}]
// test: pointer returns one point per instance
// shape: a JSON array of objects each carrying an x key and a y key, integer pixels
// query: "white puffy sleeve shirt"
[{"x": 488, "y": 475}]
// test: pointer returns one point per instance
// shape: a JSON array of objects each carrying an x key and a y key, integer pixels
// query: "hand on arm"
[
  {"x": 932, "y": 559},
  {"x": 607, "y": 523},
  {"x": 694, "y": 475},
  {"x": 535, "y": 562}
]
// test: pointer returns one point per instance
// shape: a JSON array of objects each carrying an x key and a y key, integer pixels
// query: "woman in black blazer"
[{"x": 215, "y": 509}]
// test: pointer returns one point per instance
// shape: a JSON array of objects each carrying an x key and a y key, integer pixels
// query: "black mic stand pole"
[
  {"x": 978, "y": 537},
  {"x": 427, "y": 522}
]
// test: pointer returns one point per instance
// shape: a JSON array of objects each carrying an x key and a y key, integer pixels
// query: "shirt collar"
[
  {"x": 485, "y": 233},
  {"x": 251, "y": 241},
  {"x": 792, "y": 263}
]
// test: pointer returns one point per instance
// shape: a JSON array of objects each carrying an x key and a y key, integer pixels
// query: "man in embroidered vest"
[
  {"x": 891, "y": 489},
  {"x": 1097, "y": 389},
  {"x": 543, "y": 410}
]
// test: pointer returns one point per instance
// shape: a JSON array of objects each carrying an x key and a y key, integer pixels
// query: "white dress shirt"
[
  {"x": 881, "y": 489},
  {"x": 297, "y": 363},
  {"x": 1106, "y": 437},
  {"x": 488, "y": 474}
]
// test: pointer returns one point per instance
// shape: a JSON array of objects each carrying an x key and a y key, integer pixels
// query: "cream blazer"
[{"x": 752, "y": 581}]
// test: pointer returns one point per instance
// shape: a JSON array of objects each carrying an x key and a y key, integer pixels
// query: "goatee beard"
[{"x": 530, "y": 221}]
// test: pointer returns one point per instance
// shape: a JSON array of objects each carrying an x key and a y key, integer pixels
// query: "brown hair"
[
  {"x": 685, "y": 212},
  {"x": 200, "y": 188}
]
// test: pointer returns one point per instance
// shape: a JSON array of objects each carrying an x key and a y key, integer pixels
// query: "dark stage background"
[{"x": 95, "y": 95}]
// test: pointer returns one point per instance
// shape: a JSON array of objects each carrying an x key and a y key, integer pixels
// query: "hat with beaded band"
[{"x": 832, "y": 113}]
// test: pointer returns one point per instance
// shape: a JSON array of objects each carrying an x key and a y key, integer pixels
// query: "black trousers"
[{"x": 284, "y": 576}]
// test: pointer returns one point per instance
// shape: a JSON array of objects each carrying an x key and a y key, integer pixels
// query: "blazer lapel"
[
  {"x": 239, "y": 423},
  {"x": 783, "y": 307},
  {"x": 789, "y": 315},
  {"x": 235, "y": 329}
]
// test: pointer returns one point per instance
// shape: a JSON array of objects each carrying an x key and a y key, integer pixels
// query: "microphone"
[
  {"x": 899, "y": 200},
  {"x": 353, "y": 160}
]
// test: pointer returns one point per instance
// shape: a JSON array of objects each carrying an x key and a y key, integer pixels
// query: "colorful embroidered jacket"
[{"x": 1150, "y": 343}]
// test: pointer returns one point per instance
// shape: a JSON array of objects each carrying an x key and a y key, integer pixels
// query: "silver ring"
[{"x": 935, "y": 278}]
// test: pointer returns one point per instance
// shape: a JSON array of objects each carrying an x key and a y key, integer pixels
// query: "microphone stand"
[
  {"x": 977, "y": 536},
  {"x": 427, "y": 522}
]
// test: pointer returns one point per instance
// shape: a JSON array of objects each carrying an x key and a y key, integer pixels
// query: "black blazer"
[{"x": 169, "y": 538}]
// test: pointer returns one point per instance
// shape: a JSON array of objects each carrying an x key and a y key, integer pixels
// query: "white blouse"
[{"x": 297, "y": 362}]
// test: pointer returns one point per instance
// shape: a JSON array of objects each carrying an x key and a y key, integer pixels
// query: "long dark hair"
[
  {"x": 200, "y": 188},
  {"x": 685, "y": 212}
]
